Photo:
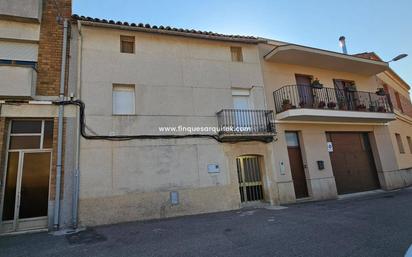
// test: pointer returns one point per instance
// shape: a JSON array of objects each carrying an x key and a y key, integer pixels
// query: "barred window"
[{"x": 127, "y": 44}]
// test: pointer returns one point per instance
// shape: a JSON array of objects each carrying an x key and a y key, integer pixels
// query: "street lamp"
[{"x": 397, "y": 58}]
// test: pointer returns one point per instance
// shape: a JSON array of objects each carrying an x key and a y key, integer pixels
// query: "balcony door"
[
  {"x": 26, "y": 190},
  {"x": 241, "y": 103},
  {"x": 303, "y": 83},
  {"x": 346, "y": 99}
]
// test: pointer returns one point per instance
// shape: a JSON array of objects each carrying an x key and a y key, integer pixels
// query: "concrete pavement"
[{"x": 370, "y": 225}]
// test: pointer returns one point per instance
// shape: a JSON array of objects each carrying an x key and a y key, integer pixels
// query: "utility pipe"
[
  {"x": 76, "y": 187},
  {"x": 56, "y": 218}
]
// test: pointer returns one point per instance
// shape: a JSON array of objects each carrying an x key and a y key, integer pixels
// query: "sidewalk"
[{"x": 371, "y": 225}]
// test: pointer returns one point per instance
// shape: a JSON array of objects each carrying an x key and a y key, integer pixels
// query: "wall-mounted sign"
[
  {"x": 213, "y": 168},
  {"x": 330, "y": 147}
]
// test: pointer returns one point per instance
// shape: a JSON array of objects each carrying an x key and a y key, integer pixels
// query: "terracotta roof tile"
[{"x": 165, "y": 28}]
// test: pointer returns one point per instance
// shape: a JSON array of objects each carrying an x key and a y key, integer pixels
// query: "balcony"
[
  {"x": 246, "y": 125},
  {"x": 17, "y": 81},
  {"x": 306, "y": 103}
]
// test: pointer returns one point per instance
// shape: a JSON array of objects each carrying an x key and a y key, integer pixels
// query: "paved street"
[{"x": 374, "y": 225}]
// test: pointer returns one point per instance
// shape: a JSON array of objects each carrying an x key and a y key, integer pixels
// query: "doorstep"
[
  {"x": 261, "y": 205},
  {"x": 30, "y": 231}
]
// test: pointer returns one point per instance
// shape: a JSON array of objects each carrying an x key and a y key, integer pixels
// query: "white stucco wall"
[{"x": 178, "y": 81}]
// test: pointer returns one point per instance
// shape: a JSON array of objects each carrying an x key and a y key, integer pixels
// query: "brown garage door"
[{"x": 352, "y": 162}]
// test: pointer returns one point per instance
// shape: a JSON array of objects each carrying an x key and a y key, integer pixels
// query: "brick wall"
[{"x": 50, "y": 46}]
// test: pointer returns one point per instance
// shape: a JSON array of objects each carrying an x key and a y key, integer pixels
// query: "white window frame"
[{"x": 122, "y": 109}]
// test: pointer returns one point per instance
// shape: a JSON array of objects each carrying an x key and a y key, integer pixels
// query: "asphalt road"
[{"x": 375, "y": 225}]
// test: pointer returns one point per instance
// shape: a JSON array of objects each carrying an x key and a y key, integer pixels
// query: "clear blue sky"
[{"x": 382, "y": 26}]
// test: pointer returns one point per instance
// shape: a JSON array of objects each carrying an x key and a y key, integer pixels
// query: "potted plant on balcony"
[
  {"x": 302, "y": 104},
  {"x": 331, "y": 105},
  {"x": 321, "y": 105},
  {"x": 316, "y": 84},
  {"x": 381, "y": 91},
  {"x": 381, "y": 109},
  {"x": 286, "y": 105},
  {"x": 361, "y": 107},
  {"x": 351, "y": 87}
]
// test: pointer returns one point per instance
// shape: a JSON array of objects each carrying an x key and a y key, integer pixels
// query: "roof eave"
[
  {"x": 170, "y": 32},
  {"x": 300, "y": 55}
]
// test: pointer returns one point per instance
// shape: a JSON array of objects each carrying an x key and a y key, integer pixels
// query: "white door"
[{"x": 241, "y": 104}]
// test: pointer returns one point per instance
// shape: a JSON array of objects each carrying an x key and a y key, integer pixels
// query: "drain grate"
[{"x": 88, "y": 236}]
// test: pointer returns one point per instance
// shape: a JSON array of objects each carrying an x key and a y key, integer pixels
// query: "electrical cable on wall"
[{"x": 81, "y": 105}]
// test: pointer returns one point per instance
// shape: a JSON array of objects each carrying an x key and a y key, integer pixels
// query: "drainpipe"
[
  {"x": 60, "y": 131},
  {"x": 76, "y": 188}
]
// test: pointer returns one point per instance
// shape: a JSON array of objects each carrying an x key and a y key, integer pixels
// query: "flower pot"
[
  {"x": 331, "y": 105},
  {"x": 317, "y": 86},
  {"x": 381, "y": 92},
  {"x": 287, "y": 106},
  {"x": 321, "y": 105}
]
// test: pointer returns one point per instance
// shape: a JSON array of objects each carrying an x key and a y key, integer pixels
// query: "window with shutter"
[{"x": 123, "y": 99}]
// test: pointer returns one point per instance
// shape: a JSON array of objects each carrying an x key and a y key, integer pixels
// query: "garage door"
[{"x": 352, "y": 162}]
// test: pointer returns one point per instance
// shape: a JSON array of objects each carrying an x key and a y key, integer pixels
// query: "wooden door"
[
  {"x": 352, "y": 162},
  {"x": 303, "y": 83},
  {"x": 296, "y": 165}
]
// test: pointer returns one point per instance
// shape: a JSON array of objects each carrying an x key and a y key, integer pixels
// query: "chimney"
[{"x": 343, "y": 44}]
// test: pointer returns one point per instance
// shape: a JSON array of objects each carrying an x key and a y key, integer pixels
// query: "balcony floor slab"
[{"x": 325, "y": 115}]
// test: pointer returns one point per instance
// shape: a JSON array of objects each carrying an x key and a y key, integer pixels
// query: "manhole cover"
[{"x": 88, "y": 236}]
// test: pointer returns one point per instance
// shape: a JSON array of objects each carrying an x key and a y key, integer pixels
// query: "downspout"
[
  {"x": 60, "y": 131},
  {"x": 76, "y": 188}
]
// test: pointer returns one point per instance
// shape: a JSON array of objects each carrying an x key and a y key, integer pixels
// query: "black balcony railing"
[
  {"x": 303, "y": 96},
  {"x": 245, "y": 122}
]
